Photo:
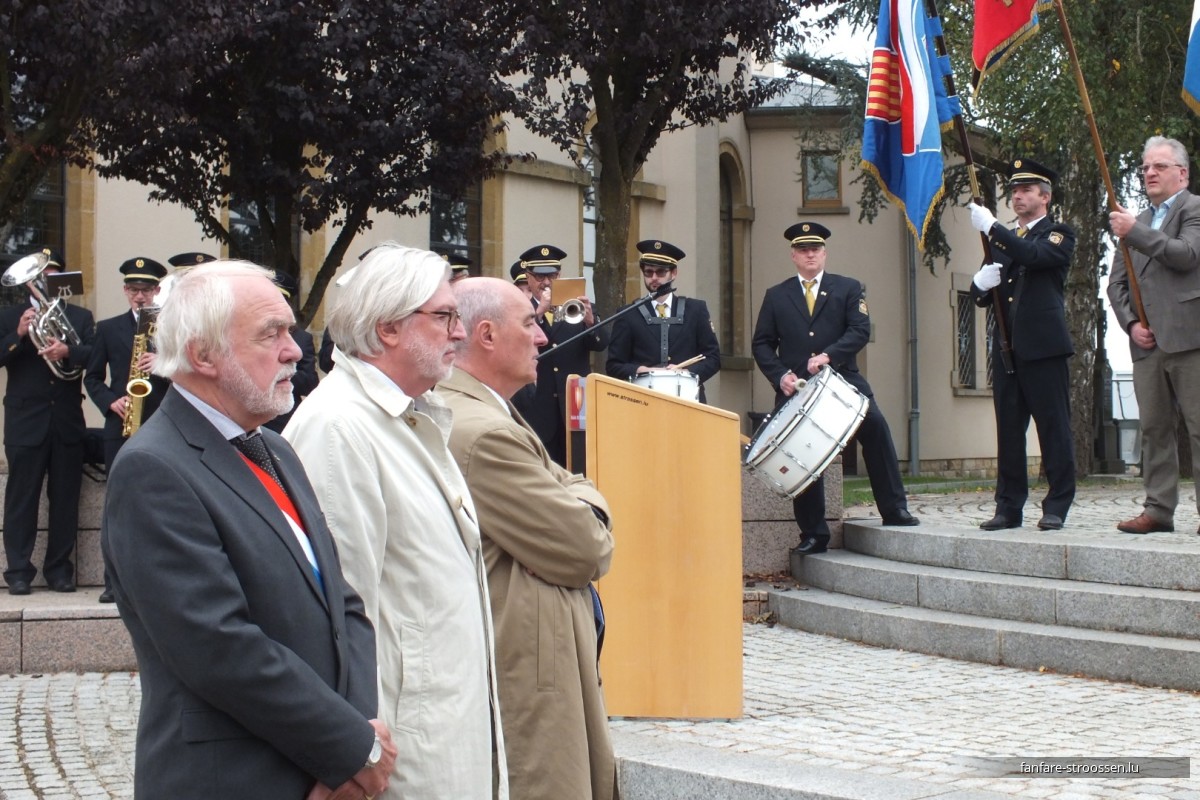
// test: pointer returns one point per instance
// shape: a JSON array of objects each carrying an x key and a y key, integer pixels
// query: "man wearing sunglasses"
[
  {"x": 670, "y": 330},
  {"x": 1164, "y": 246}
]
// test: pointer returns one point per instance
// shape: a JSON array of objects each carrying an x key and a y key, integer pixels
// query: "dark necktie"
[{"x": 254, "y": 448}]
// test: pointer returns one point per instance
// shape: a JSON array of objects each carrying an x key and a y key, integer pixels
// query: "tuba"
[{"x": 50, "y": 317}]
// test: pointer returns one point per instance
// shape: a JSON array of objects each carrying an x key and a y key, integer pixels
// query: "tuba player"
[{"x": 43, "y": 439}]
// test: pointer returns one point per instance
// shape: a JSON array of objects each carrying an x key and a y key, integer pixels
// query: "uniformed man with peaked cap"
[
  {"x": 670, "y": 331},
  {"x": 1030, "y": 274},
  {"x": 544, "y": 407},
  {"x": 814, "y": 320}
]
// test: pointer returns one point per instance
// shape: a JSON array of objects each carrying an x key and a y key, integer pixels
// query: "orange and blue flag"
[
  {"x": 908, "y": 105},
  {"x": 1191, "y": 69},
  {"x": 1001, "y": 25}
]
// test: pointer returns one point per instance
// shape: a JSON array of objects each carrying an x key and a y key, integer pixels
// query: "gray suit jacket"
[
  {"x": 1167, "y": 265},
  {"x": 255, "y": 682}
]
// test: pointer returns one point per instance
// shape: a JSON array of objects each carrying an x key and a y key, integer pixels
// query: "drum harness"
[{"x": 663, "y": 324}]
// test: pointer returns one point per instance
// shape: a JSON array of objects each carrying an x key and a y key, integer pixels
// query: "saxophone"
[{"x": 139, "y": 387}]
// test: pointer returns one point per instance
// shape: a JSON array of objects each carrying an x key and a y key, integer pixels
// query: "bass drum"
[{"x": 803, "y": 437}]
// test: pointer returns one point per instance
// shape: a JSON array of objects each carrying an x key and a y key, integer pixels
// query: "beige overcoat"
[{"x": 542, "y": 545}]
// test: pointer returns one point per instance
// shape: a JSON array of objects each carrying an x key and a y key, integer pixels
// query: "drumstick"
[{"x": 689, "y": 362}]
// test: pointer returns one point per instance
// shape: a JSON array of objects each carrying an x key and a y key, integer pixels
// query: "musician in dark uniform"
[
  {"x": 544, "y": 408},
  {"x": 1031, "y": 273},
  {"x": 670, "y": 331},
  {"x": 43, "y": 441},
  {"x": 305, "y": 379},
  {"x": 112, "y": 356},
  {"x": 805, "y": 323}
]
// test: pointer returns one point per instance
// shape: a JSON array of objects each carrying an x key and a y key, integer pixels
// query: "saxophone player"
[
  {"x": 112, "y": 354},
  {"x": 43, "y": 440}
]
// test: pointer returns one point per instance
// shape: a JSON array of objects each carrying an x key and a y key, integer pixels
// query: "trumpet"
[
  {"x": 50, "y": 321},
  {"x": 570, "y": 312}
]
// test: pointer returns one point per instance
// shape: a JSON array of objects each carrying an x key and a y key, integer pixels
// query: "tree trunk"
[
  {"x": 612, "y": 236},
  {"x": 1083, "y": 204}
]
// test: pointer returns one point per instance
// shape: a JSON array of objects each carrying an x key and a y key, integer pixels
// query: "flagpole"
[
  {"x": 1006, "y": 354},
  {"x": 1134, "y": 290}
]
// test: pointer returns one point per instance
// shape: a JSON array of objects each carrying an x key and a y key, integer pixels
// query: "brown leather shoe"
[{"x": 1144, "y": 523}]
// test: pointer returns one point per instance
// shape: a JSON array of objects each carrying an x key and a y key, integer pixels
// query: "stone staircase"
[
  {"x": 49, "y": 632},
  {"x": 1104, "y": 606}
]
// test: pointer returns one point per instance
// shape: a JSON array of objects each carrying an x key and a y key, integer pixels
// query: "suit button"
[
  {"x": 1010, "y": 299},
  {"x": 556, "y": 369},
  {"x": 810, "y": 333}
]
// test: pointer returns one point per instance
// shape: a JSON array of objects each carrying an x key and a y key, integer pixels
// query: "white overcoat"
[{"x": 409, "y": 543}]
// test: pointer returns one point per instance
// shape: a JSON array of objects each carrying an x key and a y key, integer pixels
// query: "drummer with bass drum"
[
  {"x": 666, "y": 331},
  {"x": 814, "y": 320}
]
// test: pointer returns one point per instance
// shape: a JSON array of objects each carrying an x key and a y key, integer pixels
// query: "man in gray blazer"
[
  {"x": 1164, "y": 242},
  {"x": 257, "y": 662}
]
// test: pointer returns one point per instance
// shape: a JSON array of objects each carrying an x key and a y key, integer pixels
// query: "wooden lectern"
[{"x": 670, "y": 470}]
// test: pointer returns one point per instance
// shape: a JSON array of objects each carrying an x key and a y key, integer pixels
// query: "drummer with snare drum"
[
  {"x": 667, "y": 331},
  {"x": 814, "y": 320}
]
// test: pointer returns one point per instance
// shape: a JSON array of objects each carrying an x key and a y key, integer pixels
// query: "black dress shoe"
[
  {"x": 900, "y": 517},
  {"x": 18, "y": 587},
  {"x": 1000, "y": 522},
  {"x": 107, "y": 597},
  {"x": 811, "y": 546},
  {"x": 63, "y": 585},
  {"x": 1050, "y": 522}
]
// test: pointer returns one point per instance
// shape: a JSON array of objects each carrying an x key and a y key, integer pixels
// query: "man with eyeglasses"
[
  {"x": 669, "y": 331},
  {"x": 1164, "y": 245},
  {"x": 544, "y": 406},
  {"x": 1030, "y": 274},
  {"x": 112, "y": 355},
  {"x": 373, "y": 440}
]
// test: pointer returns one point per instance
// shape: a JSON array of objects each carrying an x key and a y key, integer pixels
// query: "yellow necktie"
[
  {"x": 662, "y": 309},
  {"x": 810, "y": 296},
  {"x": 1021, "y": 231}
]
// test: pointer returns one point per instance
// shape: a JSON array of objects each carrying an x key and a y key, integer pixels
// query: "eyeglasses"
[
  {"x": 1159, "y": 167},
  {"x": 656, "y": 273},
  {"x": 147, "y": 290},
  {"x": 452, "y": 317}
]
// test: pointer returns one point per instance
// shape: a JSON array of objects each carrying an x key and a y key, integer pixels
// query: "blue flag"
[
  {"x": 907, "y": 107},
  {"x": 1191, "y": 69}
]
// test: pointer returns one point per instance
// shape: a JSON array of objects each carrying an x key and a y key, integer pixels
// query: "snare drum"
[
  {"x": 675, "y": 382},
  {"x": 806, "y": 433}
]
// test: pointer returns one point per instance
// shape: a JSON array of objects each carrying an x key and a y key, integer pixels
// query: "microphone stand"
[{"x": 661, "y": 291}]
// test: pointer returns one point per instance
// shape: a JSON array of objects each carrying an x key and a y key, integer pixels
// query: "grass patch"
[{"x": 856, "y": 490}]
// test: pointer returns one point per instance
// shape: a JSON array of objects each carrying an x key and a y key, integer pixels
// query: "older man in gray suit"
[
  {"x": 257, "y": 661},
  {"x": 1165, "y": 249}
]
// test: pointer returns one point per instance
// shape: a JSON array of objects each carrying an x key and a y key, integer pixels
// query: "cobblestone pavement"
[{"x": 809, "y": 699}]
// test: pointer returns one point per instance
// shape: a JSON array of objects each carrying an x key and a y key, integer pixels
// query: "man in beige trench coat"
[{"x": 546, "y": 536}]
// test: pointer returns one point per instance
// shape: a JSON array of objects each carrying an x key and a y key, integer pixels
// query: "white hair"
[
  {"x": 388, "y": 285},
  {"x": 1178, "y": 151},
  {"x": 198, "y": 311}
]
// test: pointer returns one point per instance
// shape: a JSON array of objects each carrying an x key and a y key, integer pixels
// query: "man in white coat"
[{"x": 372, "y": 438}]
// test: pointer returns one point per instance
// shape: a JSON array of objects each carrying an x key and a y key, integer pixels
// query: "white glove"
[
  {"x": 988, "y": 277},
  {"x": 982, "y": 220}
]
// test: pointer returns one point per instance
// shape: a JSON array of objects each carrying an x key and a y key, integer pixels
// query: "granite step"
[
  {"x": 1130, "y": 657},
  {"x": 48, "y": 632},
  {"x": 1163, "y": 561},
  {"x": 1049, "y": 601},
  {"x": 650, "y": 768}
]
